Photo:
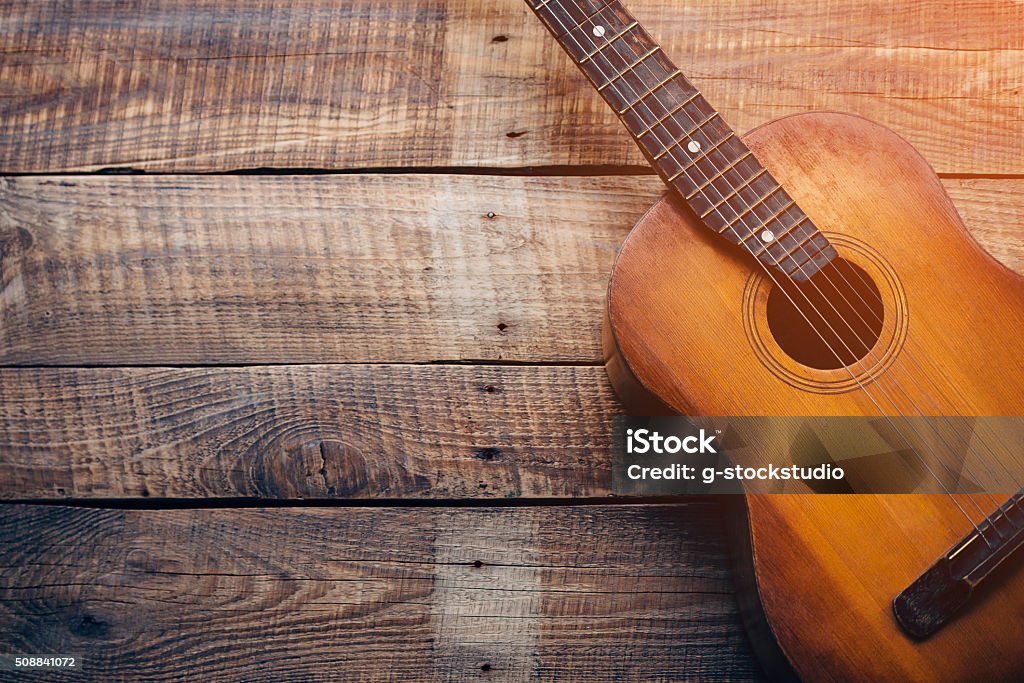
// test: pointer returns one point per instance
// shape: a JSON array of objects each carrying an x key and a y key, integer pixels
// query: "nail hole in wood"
[{"x": 488, "y": 454}]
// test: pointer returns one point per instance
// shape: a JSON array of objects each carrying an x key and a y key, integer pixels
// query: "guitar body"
[{"x": 688, "y": 329}]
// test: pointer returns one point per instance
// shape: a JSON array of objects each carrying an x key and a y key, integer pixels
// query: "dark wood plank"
[
  {"x": 311, "y": 269},
  {"x": 582, "y": 593},
  {"x": 201, "y": 85},
  {"x": 352, "y": 431}
]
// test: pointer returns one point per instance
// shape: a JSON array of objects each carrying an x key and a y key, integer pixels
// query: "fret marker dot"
[
  {"x": 599, "y": 31},
  {"x": 767, "y": 236},
  {"x": 693, "y": 146}
]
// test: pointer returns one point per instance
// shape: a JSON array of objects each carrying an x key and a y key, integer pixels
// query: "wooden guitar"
[{"x": 816, "y": 266}]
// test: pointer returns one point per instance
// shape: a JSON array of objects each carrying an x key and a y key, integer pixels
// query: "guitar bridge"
[{"x": 947, "y": 587}]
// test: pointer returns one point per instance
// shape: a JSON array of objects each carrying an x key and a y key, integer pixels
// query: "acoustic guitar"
[{"x": 816, "y": 267}]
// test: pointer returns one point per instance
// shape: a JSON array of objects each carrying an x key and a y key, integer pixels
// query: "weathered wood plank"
[
  {"x": 242, "y": 269},
  {"x": 207, "y": 85},
  {"x": 994, "y": 213},
  {"x": 581, "y": 593},
  {"x": 352, "y": 431},
  {"x": 204, "y": 270}
]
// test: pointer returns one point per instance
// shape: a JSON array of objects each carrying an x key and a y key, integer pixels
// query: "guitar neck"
[{"x": 684, "y": 138}]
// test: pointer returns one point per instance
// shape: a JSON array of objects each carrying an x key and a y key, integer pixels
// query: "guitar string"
[
  {"x": 631, "y": 66},
  {"x": 568, "y": 32},
  {"x": 908, "y": 374}
]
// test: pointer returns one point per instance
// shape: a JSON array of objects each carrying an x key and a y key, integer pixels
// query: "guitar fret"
[
  {"x": 715, "y": 177},
  {"x": 810, "y": 260},
  {"x": 591, "y": 16},
  {"x": 708, "y": 151},
  {"x": 810, "y": 247},
  {"x": 764, "y": 224},
  {"x": 792, "y": 230},
  {"x": 735, "y": 192},
  {"x": 788, "y": 231},
  {"x": 572, "y": 25},
  {"x": 609, "y": 42},
  {"x": 629, "y": 68},
  {"x": 778, "y": 217},
  {"x": 669, "y": 115},
  {"x": 652, "y": 91},
  {"x": 789, "y": 252},
  {"x": 754, "y": 206},
  {"x": 778, "y": 238},
  {"x": 675, "y": 143},
  {"x": 810, "y": 254}
]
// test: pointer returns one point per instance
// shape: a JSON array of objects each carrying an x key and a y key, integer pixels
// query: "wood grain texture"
[
  {"x": 310, "y": 269},
  {"x": 346, "y": 271},
  {"x": 993, "y": 213},
  {"x": 300, "y": 269},
  {"x": 582, "y": 593},
  {"x": 354, "y": 431},
  {"x": 202, "y": 85}
]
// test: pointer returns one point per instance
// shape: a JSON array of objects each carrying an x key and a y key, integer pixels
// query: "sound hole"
[{"x": 830, "y": 321}]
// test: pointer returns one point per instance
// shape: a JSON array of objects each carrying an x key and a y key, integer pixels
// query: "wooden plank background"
[
  {"x": 399, "y": 302},
  {"x": 306, "y": 431},
  {"x": 178, "y": 271},
  {"x": 398, "y": 593},
  {"x": 205, "y": 85}
]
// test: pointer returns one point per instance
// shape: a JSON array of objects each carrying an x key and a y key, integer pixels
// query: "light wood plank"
[
  {"x": 203, "y": 85},
  {"x": 352, "y": 431},
  {"x": 581, "y": 593},
  {"x": 206, "y": 270},
  {"x": 403, "y": 268},
  {"x": 994, "y": 213}
]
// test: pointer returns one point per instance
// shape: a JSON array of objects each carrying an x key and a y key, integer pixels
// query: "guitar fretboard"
[{"x": 686, "y": 141}]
